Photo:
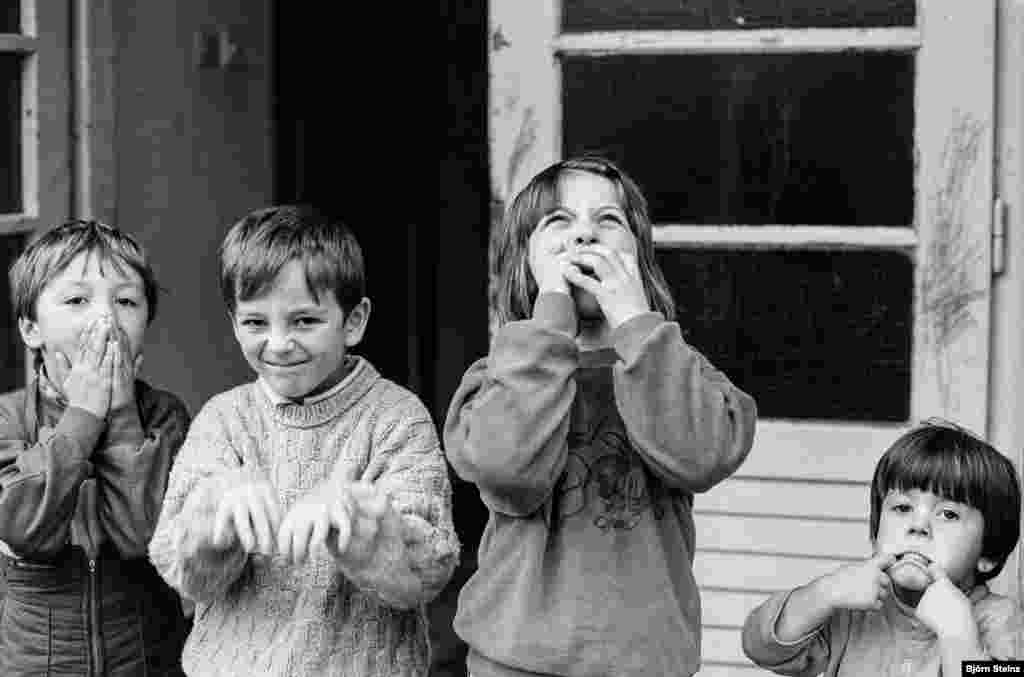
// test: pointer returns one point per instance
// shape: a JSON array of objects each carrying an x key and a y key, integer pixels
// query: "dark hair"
[
  {"x": 259, "y": 245},
  {"x": 949, "y": 461},
  {"x": 46, "y": 257},
  {"x": 513, "y": 288}
]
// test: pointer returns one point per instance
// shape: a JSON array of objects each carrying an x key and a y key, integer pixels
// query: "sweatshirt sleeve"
[
  {"x": 807, "y": 656},
  {"x": 508, "y": 421},
  {"x": 132, "y": 466},
  {"x": 1001, "y": 626},
  {"x": 39, "y": 482},
  {"x": 691, "y": 425},
  {"x": 181, "y": 548},
  {"x": 416, "y": 549}
]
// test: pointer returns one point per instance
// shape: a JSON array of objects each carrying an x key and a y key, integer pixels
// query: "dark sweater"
[{"x": 588, "y": 464}]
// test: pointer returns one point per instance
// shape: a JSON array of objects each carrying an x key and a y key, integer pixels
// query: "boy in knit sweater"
[{"x": 309, "y": 512}]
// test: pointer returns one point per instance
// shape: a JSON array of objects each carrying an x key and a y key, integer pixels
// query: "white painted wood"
[
  {"x": 525, "y": 116},
  {"x": 954, "y": 136},
  {"x": 769, "y": 41},
  {"x": 783, "y": 536},
  {"x": 717, "y": 670},
  {"x": 723, "y": 645},
  {"x": 770, "y": 497},
  {"x": 882, "y": 238},
  {"x": 817, "y": 451},
  {"x": 728, "y": 608},
  {"x": 758, "y": 573},
  {"x": 14, "y": 42},
  {"x": 17, "y": 223}
]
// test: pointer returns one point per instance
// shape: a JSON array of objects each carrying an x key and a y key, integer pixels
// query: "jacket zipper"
[{"x": 95, "y": 645}]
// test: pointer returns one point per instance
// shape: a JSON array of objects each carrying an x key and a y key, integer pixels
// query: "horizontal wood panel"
[
  {"x": 773, "y": 535},
  {"x": 758, "y": 572},
  {"x": 817, "y": 451},
  {"x": 728, "y": 608},
  {"x": 710, "y": 669},
  {"x": 780, "y": 497},
  {"x": 718, "y": 645}
]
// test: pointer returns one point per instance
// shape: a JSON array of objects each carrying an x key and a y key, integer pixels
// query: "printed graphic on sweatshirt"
[{"x": 604, "y": 475}]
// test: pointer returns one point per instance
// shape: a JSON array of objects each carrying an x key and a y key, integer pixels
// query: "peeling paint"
[
  {"x": 499, "y": 41},
  {"x": 948, "y": 284},
  {"x": 525, "y": 140}
]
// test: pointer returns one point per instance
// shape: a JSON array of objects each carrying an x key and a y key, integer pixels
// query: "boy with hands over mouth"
[{"x": 945, "y": 511}]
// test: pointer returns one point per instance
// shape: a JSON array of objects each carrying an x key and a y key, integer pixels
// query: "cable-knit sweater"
[{"x": 262, "y": 616}]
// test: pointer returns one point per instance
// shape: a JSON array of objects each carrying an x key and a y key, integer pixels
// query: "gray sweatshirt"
[{"x": 588, "y": 463}]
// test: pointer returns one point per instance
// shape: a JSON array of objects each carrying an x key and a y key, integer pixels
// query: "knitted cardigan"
[{"x": 259, "y": 615}]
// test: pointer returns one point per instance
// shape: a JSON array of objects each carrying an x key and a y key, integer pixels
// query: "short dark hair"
[
  {"x": 948, "y": 460},
  {"x": 260, "y": 244},
  {"x": 47, "y": 256}
]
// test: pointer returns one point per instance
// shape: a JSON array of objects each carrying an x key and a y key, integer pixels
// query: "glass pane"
[
  {"x": 792, "y": 139},
  {"x": 10, "y": 16},
  {"x": 10, "y": 134},
  {"x": 12, "y": 372},
  {"x": 828, "y": 338},
  {"x": 595, "y": 15}
]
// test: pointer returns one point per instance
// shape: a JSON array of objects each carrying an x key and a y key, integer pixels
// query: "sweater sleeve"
[
  {"x": 39, "y": 482},
  {"x": 1001, "y": 626},
  {"x": 132, "y": 467},
  {"x": 690, "y": 424},
  {"x": 807, "y": 656},
  {"x": 508, "y": 421},
  {"x": 181, "y": 548},
  {"x": 416, "y": 548}
]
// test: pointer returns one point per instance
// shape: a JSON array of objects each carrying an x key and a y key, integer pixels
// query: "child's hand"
[
  {"x": 944, "y": 608},
  {"x": 124, "y": 370},
  {"x": 308, "y": 524},
  {"x": 546, "y": 258},
  {"x": 368, "y": 508},
  {"x": 249, "y": 515},
  {"x": 862, "y": 585},
  {"x": 86, "y": 382},
  {"x": 619, "y": 288}
]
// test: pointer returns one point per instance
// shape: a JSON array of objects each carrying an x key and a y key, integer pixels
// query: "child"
[
  {"x": 309, "y": 515},
  {"x": 945, "y": 515},
  {"x": 85, "y": 452},
  {"x": 587, "y": 430}
]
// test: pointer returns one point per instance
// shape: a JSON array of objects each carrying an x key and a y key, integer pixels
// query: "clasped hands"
[
  {"x": 342, "y": 522},
  {"x": 101, "y": 379}
]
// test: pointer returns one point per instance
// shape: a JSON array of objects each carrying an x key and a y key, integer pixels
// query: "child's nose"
[{"x": 920, "y": 523}]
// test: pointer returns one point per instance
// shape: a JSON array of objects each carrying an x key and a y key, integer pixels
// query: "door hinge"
[{"x": 998, "y": 236}]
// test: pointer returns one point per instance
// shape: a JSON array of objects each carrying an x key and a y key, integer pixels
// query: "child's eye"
[
  {"x": 307, "y": 321},
  {"x": 252, "y": 323},
  {"x": 951, "y": 515},
  {"x": 611, "y": 221},
  {"x": 900, "y": 507},
  {"x": 75, "y": 300},
  {"x": 130, "y": 303}
]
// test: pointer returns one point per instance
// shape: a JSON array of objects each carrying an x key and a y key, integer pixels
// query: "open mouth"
[
  {"x": 587, "y": 270},
  {"x": 913, "y": 557}
]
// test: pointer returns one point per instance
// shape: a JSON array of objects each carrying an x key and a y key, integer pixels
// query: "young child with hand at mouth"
[{"x": 945, "y": 516}]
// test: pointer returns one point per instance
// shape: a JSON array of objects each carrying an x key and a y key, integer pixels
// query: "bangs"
[{"x": 951, "y": 474}]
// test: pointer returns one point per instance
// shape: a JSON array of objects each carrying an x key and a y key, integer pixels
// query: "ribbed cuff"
[
  {"x": 557, "y": 311},
  {"x": 629, "y": 337}
]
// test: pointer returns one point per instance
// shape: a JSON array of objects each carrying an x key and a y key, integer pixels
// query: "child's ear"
[
  {"x": 30, "y": 333},
  {"x": 985, "y": 565},
  {"x": 356, "y": 321}
]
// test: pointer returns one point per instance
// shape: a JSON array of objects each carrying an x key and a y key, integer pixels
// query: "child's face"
[
  {"x": 946, "y": 532},
  {"x": 82, "y": 293},
  {"x": 589, "y": 211},
  {"x": 293, "y": 341}
]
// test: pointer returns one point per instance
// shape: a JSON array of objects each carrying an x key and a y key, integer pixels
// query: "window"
[
  {"x": 34, "y": 141},
  {"x": 820, "y": 175}
]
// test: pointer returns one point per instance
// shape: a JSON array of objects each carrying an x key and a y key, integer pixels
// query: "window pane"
[
  {"x": 10, "y": 17},
  {"x": 594, "y": 15},
  {"x": 791, "y": 139},
  {"x": 10, "y": 134},
  {"x": 828, "y": 338},
  {"x": 12, "y": 373}
]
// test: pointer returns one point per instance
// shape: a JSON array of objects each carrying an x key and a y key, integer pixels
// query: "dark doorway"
[{"x": 362, "y": 123}]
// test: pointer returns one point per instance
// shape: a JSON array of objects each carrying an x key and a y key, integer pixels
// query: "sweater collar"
[{"x": 317, "y": 410}]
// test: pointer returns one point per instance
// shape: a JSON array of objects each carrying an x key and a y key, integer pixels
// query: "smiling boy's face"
[{"x": 297, "y": 343}]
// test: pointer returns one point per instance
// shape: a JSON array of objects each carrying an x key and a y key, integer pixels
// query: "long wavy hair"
[{"x": 513, "y": 288}]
